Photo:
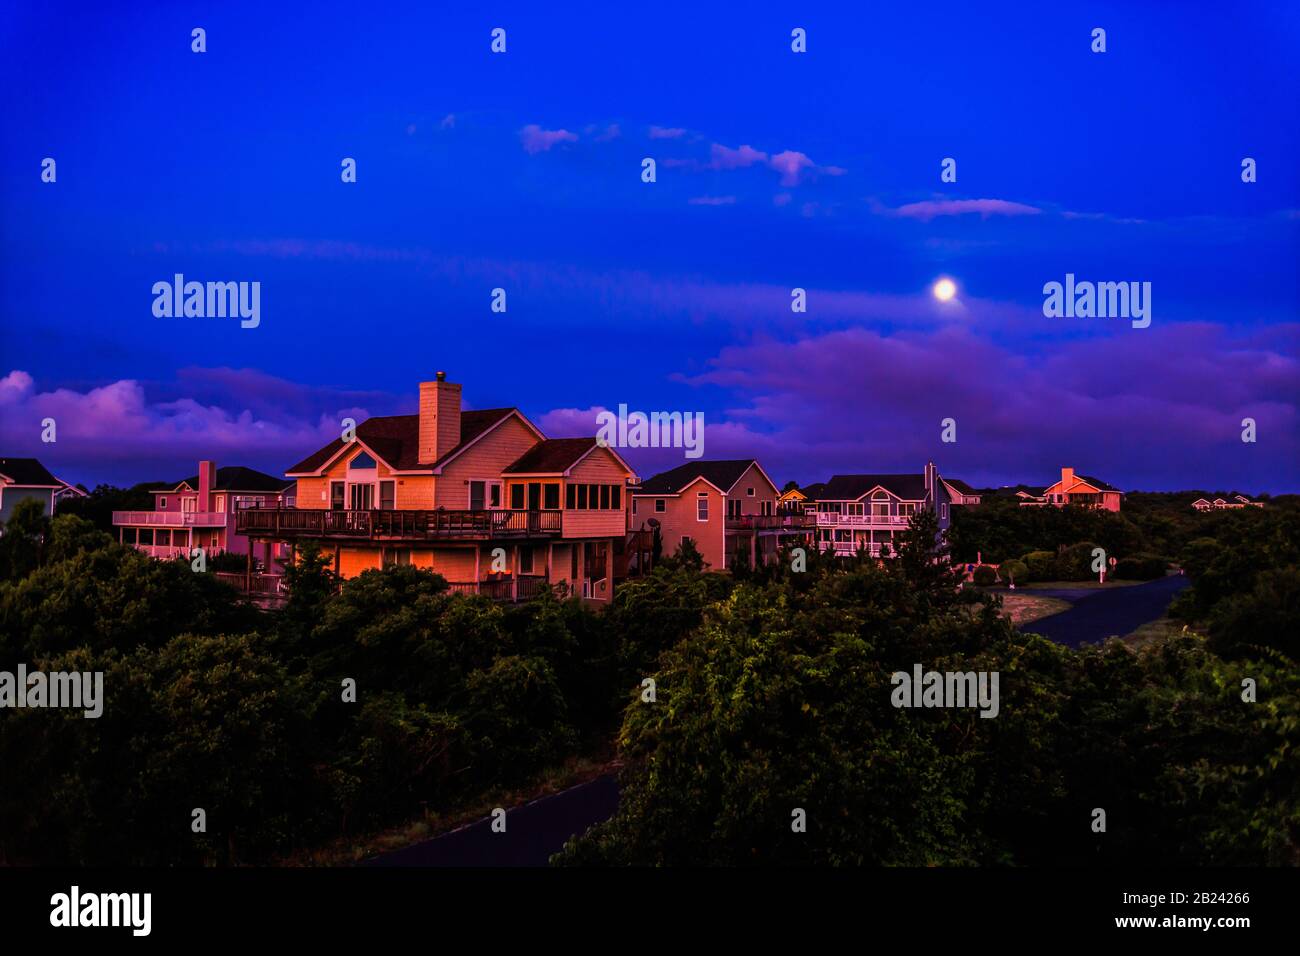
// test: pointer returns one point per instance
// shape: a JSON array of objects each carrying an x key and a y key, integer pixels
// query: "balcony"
[
  {"x": 848, "y": 549},
  {"x": 782, "y": 522},
  {"x": 833, "y": 519},
  {"x": 441, "y": 525},
  {"x": 170, "y": 519}
]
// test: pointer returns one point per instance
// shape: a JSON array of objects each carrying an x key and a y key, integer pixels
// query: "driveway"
[
  {"x": 533, "y": 832},
  {"x": 1098, "y": 614}
]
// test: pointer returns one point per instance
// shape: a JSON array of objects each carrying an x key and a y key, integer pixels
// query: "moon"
[{"x": 944, "y": 290}]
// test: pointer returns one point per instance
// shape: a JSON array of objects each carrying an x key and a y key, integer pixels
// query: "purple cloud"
[
  {"x": 666, "y": 132},
  {"x": 537, "y": 140},
  {"x": 930, "y": 209}
]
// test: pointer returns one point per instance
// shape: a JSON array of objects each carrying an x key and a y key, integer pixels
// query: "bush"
[
  {"x": 1012, "y": 571},
  {"x": 984, "y": 576},
  {"x": 1140, "y": 567},
  {"x": 1040, "y": 566},
  {"x": 1075, "y": 562}
]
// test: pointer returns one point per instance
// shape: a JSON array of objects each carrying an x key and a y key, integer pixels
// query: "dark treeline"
[{"x": 772, "y": 693}]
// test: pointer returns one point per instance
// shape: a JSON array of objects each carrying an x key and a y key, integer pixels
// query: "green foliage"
[
  {"x": 1040, "y": 566},
  {"x": 1140, "y": 567},
  {"x": 984, "y": 576},
  {"x": 1012, "y": 571},
  {"x": 23, "y": 540}
]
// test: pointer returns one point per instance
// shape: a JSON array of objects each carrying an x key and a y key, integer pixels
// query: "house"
[
  {"x": 199, "y": 513},
  {"x": 791, "y": 502},
  {"x": 481, "y": 497},
  {"x": 869, "y": 512},
  {"x": 727, "y": 508},
  {"x": 960, "y": 493},
  {"x": 1081, "y": 491},
  {"x": 1220, "y": 504},
  {"x": 68, "y": 492},
  {"x": 26, "y": 478}
]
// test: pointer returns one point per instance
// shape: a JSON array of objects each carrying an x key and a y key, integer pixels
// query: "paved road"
[
  {"x": 533, "y": 832},
  {"x": 1105, "y": 612}
]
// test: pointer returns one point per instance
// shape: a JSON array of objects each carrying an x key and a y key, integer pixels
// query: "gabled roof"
[
  {"x": 961, "y": 486},
  {"x": 552, "y": 456},
  {"x": 723, "y": 475},
  {"x": 396, "y": 439},
  {"x": 853, "y": 487},
  {"x": 816, "y": 491},
  {"x": 238, "y": 478},
  {"x": 28, "y": 472},
  {"x": 1097, "y": 483}
]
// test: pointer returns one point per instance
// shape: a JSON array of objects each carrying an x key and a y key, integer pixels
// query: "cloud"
[
  {"x": 1129, "y": 407},
  {"x": 723, "y": 157},
  {"x": 448, "y": 121},
  {"x": 712, "y": 201},
  {"x": 612, "y": 131},
  {"x": 793, "y": 166},
  {"x": 666, "y": 132},
  {"x": 538, "y": 140},
  {"x": 930, "y": 209}
]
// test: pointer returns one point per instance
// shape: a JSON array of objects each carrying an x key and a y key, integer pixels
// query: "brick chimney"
[
  {"x": 439, "y": 418},
  {"x": 1067, "y": 478},
  {"x": 207, "y": 482}
]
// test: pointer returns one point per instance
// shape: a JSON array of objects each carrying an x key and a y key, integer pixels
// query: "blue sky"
[{"x": 775, "y": 170}]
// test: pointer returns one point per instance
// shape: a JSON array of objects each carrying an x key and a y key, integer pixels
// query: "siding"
[
  {"x": 603, "y": 468},
  {"x": 492, "y": 455}
]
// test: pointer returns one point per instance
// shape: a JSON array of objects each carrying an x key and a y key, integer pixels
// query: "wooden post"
[
  {"x": 514, "y": 575},
  {"x": 477, "y": 573},
  {"x": 550, "y": 546},
  {"x": 248, "y": 572}
]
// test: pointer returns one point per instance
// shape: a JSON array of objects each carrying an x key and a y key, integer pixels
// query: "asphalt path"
[
  {"x": 1100, "y": 613},
  {"x": 533, "y": 832}
]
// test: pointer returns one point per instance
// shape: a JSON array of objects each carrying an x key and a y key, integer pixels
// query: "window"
[
  {"x": 219, "y": 503},
  {"x": 659, "y": 504},
  {"x": 162, "y": 537},
  {"x": 525, "y": 560},
  {"x": 362, "y": 461},
  {"x": 943, "y": 510},
  {"x": 388, "y": 498},
  {"x": 361, "y": 497},
  {"x": 733, "y": 507},
  {"x": 702, "y": 506},
  {"x": 907, "y": 508},
  {"x": 767, "y": 508},
  {"x": 336, "y": 496},
  {"x": 604, "y": 497},
  {"x": 534, "y": 495},
  {"x": 749, "y": 492},
  {"x": 582, "y": 497},
  {"x": 517, "y": 497},
  {"x": 477, "y": 495},
  {"x": 144, "y": 536},
  {"x": 616, "y": 497},
  {"x": 162, "y": 504},
  {"x": 494, "y": 494},
  {"x": 551, "y": 496},
  {"x": 394, "y": 556},
  {"x": 633, "y": 506},
  {"x": 571, "y": 497}
]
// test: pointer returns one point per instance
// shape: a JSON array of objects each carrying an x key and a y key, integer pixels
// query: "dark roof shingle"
[
  {"x": 396, "y": 439},
  {"x": 26, "y": 471},
  {"x": 239, "y": 478},
  {"x": 723, "y": 474},
  {"x": 551, "y": 456},
  {"x": 852, "y": 487}
]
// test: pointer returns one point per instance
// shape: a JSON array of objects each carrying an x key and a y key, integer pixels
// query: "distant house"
[
  {"x": 1221, "y": 504},
  {"x": 960, "y": 493},
  {"x": 199, "y": 512},
  {"x": 22, "y": 479},
  {"x": 870, "y": 512},
  {"x": 69, "y": 491},
  {"x": 791, "y": 501},
  {"x": 1081, "y": 491},
  {"x": 727, "y": 508}
]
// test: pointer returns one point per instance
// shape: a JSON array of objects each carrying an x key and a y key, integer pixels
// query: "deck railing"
[
  {"x": 405, "y": 525},
  {"x": 779, "y": 522},
  {"x": 170, "y": 519}
]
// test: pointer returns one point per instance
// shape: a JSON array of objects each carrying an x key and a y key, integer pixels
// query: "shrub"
[
  {"x": 1140, "y": 567},
  {"x": 1012, "y": 571},
  {"x": 984, "y": 576},
  {"x": 1075, "y": 562},
  {"x": 1039, "y": 566}
]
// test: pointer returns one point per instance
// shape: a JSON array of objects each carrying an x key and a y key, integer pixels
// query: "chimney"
[
  {"x": 929, "y": 482},
  {"x": 439, "y": 418},
  {"x": 207, "y": 482},
  {"x": 1067, "y": 478}
]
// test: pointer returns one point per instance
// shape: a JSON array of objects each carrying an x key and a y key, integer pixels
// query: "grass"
[
  {"x": 1024, "y": 608},
  {"x": 1153, "y": 632},
  {"x": 350, "y": 850},
  {"x": 1088, "y": 585}
]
